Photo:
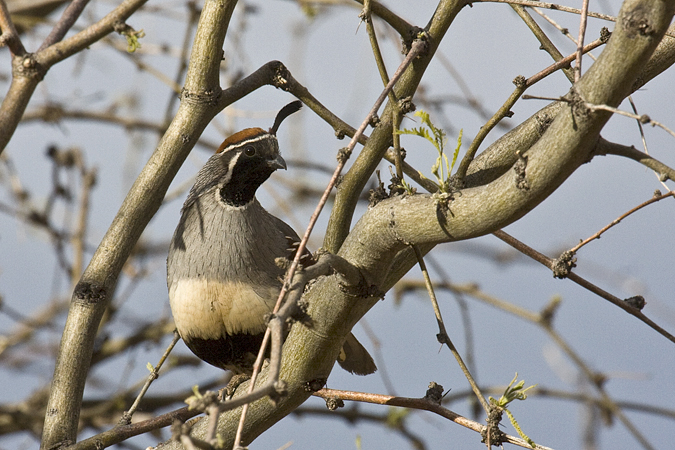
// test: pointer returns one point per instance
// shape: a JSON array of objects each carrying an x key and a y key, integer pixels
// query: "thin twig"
[
  {"x": 419, "y": 404},
  {"x": 505, "y": 110},
  {"x": 443, "y": 336},
  {"x": 154, "y": 374},
  {"x": 644, "y": 118},
  {"x": 544, "y": 319},
  {"x": 553, "y": 6},
  {"x": 659, "y": 176},
  {"x": 565, "y": 62},
  {"x": 546, "y": 43},
  {"x": 595, "y": 380},
  {"x": 193, "y": 17},
  {"x": 616, "y": 221},
  {"x": 550, "y": 263},
  {"x": 8, "y": 34},
  {"x": 65, "y": 23},
  {"x": 342, "y": 129},
  {"x": 403, "y": 28},
  {"x": 370, "y": 29},
  {"x": 611, "y": 148},
  {"x": 79, "y": 236},
  {"x": 580, "y": 42}
]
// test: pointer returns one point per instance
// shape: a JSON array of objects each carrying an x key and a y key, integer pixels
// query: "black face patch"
[
  {"x": 247, "y": 163},
  {"x": 249, "y": 172}
]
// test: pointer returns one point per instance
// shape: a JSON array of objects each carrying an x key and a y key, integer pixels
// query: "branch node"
[
  {"x": 178, "y": 429},
  {"x": 435, "y": 393},
  {"x": 405, "y": 105},
  {"x": 546, "y": 315},
  {"x": 28, "y": 66},
  {"x": 280, "y": 390},
  {"x": 520, "y": 81},
  {"x": 564, "y": 264},
  {"x": 301, "y": 315},
  {"x": 519, "y": 167},
  {"x": 206, "y": 97},
  {"x": 579, "y": 108},
  {"x": 334, "y": 403},
  {"x": 343, "y": 155},
  {"x": 443, "y": 338},
  {"x": 281, "y": 76},
  {"x": 637, "y": 302},
  {"x": 415, "y": 33},
  {"x": 378, "y": 194},
  {"x": 636, "y": 22},
  {"x": 492, "y": 433},
  {"x": 315, "y": 385},
  {"x": 89, "y": 293}
]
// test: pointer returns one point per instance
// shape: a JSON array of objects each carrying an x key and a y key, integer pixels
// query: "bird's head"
[{"x": 243, "y": 162}]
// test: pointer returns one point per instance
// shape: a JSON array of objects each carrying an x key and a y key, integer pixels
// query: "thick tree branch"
[
  {"x": 97, "y": 285},
  {"x": 500, "y": 156}
]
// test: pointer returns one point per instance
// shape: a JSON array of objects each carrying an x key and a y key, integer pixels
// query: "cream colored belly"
[{"x": 209, "y": 309}]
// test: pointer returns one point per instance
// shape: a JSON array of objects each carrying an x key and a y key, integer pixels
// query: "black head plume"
[{"x": 286, "y": 111}]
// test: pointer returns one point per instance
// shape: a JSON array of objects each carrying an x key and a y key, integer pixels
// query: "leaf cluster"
[{"x": 442, "y": 168}]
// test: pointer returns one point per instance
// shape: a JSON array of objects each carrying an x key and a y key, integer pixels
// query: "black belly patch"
[{"x": 232, "y": 352}]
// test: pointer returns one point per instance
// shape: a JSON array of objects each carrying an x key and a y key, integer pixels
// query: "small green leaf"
[
  {"x": 195, "y": 390},
  {"x": 133, "y": 38},
  {"x": 459, "y": 145},
  {"x": 442, "y": 167}
]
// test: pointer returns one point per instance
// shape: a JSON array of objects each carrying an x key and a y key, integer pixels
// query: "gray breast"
[{"x": 218, "y": 242}]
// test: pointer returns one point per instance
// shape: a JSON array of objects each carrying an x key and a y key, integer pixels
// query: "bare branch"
[
  {"x": 417, "y": 403},
  {"x": 8, "y": 34},
  {"x": 68, "y": 19}
]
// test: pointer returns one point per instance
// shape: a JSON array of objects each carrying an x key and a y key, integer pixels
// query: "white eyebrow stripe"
[{"x": 231, "y": 147}]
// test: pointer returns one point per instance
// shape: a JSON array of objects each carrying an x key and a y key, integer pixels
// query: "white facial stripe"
[
  {"x": 226, "y": 180},
  {"x": 228, "y": 175},
  {"x": 230, "y": 167},
  {"x": 241, "y": 144}
]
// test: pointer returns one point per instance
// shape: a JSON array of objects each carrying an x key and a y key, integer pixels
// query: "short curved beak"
[{"x": 277, "y": 163}]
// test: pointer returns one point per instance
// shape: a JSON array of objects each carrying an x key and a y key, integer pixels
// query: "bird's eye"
[{"x": 249, "y": 151}]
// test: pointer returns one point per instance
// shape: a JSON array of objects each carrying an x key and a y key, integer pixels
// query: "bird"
[{"x": 221, "y": 271}]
